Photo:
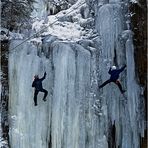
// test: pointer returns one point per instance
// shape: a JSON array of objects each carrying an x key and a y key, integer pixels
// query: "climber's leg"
[
  {"x": 35, "y": 97},
  {"x": 117, "y": 82},
  {"x": 45, "y": 94},
  {"x": 105, "y": 83}
]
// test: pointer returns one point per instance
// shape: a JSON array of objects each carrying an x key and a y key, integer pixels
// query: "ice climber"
[
  {"x": 114, "y": 72},
  {"x": 37, "y": 83}
]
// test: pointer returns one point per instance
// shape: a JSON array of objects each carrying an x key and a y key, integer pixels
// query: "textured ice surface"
[
  {"x": 126, "y": 115},
  {"x": 28, "y": 124},
  {"x": 40, "y": 9},
  {"x": 76, "y": 114},
  {"x": 67, "y": 116}
]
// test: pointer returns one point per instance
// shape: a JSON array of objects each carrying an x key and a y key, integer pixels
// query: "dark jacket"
[
  {"x": 37, "y": 83},
  {"x": 115, "y": 73}
]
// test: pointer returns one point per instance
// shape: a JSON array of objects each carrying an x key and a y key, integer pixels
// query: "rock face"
[
  {"x": 139, "y": 27},
  {"x": 4, "y": 88},
  {"x": 77, "y": 114}
]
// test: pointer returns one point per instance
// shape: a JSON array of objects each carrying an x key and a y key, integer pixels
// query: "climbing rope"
[{"x": 39, "y": 32}]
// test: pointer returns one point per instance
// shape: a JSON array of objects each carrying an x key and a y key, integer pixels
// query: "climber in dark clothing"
[
  {"x": 37, "y": 83},
  {"x": 114, "y": 72}
]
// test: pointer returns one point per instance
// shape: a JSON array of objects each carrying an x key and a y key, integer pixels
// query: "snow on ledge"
[{"x": 60, "y": 25}]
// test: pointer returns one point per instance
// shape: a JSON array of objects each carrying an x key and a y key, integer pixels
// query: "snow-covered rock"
[{"x": 68, "y": 24}]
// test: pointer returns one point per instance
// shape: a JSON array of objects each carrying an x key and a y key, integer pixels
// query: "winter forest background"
[{"x": 75, "y": 42}]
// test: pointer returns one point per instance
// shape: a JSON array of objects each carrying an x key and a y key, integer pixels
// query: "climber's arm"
[
  {"x": 43, "y": 77},
  {"x": 109, "y": 71},
  {"x": 121, "y": 69},
  {"x": 33, "y": 84}
]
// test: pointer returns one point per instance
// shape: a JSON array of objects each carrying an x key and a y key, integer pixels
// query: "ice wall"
[
  {"x": 67, "y": 118},
  {"x": 40, "y": 9},
  {"x": 77, "y": 114},
  {"x": 28, "y": 124},
  {"x": 125, "y": 112}
]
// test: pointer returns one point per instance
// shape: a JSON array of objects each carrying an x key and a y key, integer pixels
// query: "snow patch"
[
  {"x": 66, "y": 25},
  {"x": 134, "y": 1}
]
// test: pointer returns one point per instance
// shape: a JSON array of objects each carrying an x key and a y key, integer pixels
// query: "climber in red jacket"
[
  {"x": 37, "y": 83},
  {"x": 114, "y": 72}
]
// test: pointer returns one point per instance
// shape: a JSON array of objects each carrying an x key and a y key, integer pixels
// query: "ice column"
[
  {"x": 67, "y": 118},
  {"x": 135, "y": 101},
  {"x": 70, "y": 95},
  {"x": 29, "y": 125},
  {"x": 126, "y": 116}
]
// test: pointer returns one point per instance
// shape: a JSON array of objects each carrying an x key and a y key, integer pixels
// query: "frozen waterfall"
[
  {"x": 77, "y": 114},
  {"x": 66, "y": 118},
  {"x": 118, "y": 49}
]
